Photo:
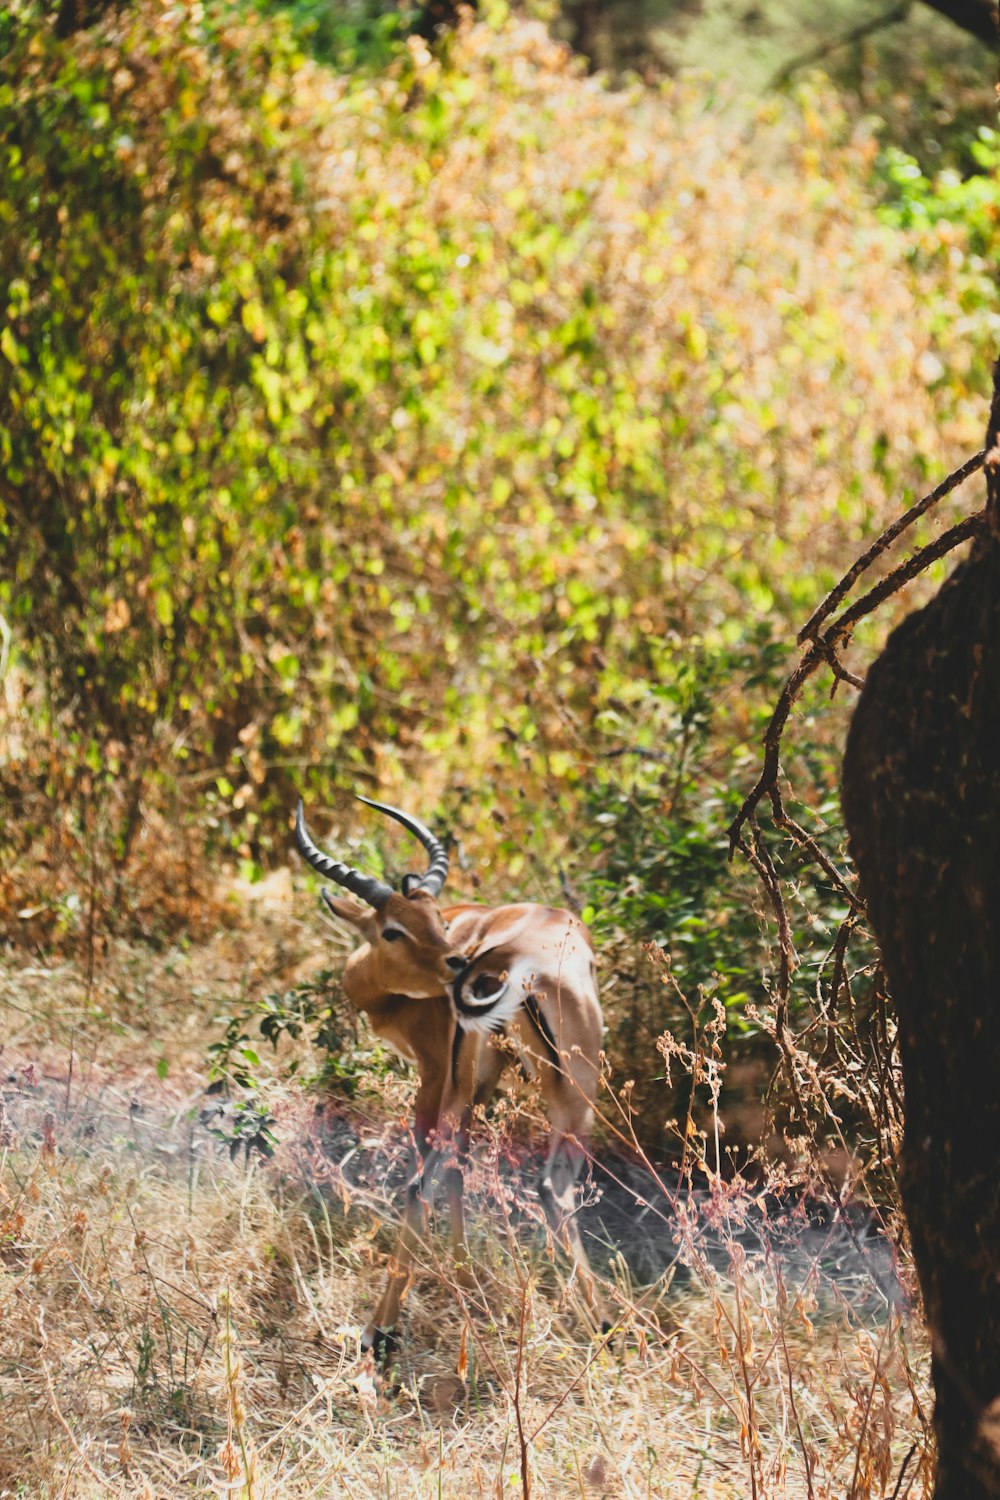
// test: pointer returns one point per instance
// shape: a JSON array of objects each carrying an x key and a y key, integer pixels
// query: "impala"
[{"x": 442, "y": 986}]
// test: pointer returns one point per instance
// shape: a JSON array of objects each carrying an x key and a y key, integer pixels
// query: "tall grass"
[{"x": 178, "y": 1322}]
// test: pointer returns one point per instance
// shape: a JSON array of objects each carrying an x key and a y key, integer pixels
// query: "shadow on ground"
[{"x": 638, "y": 1221}]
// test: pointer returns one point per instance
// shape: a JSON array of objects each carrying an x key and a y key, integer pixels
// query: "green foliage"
[
  {"x": 970, "y": 204},
  {"x": 243, "y": 1125},
  {"x": 360, "y": 34},
  {"x": 661, "y": 872},
  {"x": 312, "y": 1009},
  {"x": 661, "y": 875},
  {"x": 315, "y": 1008},
  {"x": 460, "y": 427},
  {"x": 231, "y": 1058},
  {"x": 952, "y": 222}
]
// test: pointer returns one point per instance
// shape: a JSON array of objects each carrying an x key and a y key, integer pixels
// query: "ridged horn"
[
  {"x": 375, "y": 892},
  {"x": 437, "y": 869}
]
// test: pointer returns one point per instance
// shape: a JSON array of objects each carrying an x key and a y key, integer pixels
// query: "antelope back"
[{"x": 520, "y": 951}]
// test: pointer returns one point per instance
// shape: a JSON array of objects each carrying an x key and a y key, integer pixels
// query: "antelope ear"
[{"x": 353, "y": 912}]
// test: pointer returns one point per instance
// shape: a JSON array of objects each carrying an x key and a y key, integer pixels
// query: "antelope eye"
[{"x": 391, "y": 934}]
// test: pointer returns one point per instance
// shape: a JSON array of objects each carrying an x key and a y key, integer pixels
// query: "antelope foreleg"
[
  {"x": 443, "y": 1111},
  {"x": 456, "y": 1117},
  {"x": 412, "y": 1235},
  {"x": 379, "y": 1335}
]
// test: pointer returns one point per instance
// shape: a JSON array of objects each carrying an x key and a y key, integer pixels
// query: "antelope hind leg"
[{"x": 557, "y": 1195}]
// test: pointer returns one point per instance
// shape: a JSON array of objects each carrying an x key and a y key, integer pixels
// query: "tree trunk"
[
  {"x": 76, "y": 15},
  {"x": 435, "y": 16},
  {"x": 978, "y": 17},
  {"x": 921, "y": 800}
]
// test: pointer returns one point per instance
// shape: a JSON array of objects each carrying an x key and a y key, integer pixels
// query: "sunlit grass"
[{"x": 176, "y": 1322}]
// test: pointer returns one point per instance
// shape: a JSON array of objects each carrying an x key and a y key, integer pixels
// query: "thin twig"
[
  {"x": 806, "y": 1456},
  {"x": 522, "y": 1438},
  {"x": 843, "y": 588},
  {"x": 560, "y": 1400},
  {"x": 866, "y": 1416},
  {"x": 902, "y": 1472},
  {"x": 819, "y": 651},
  {"x": 638, "y": 750},
  {"x": 850, "y": 38},
  {"x": 102, "y": 1479}
]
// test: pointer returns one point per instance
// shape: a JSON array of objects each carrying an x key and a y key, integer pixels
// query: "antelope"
[{"x": 442, "y": 985}]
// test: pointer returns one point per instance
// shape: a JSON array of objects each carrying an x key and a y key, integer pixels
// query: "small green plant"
[
  {"x": 307, "y": 1010},
  {"x": 243, "y": 1125},
  {"x": 230, "y": 1060}
]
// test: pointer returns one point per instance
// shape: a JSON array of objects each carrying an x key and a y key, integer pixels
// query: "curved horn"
[
  {"x": 375, "y": 892},
  {"x": 437, "y": 869}
]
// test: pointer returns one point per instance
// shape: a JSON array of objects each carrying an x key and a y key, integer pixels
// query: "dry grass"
[{"x": 178, "y": 1323}]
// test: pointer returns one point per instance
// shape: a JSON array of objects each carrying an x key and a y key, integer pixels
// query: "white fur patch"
[{"x": 493, "y": 1012}]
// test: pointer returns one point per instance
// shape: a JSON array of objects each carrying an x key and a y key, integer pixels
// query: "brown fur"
[{"x": 404, "y": 987}]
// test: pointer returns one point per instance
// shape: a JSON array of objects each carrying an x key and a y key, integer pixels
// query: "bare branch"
[
  {"x": 823, "y": 647},
  {"x": 843, "y": 588},
  {"x": 894, "y": 581},
  {"x": 849, "y": 38}
]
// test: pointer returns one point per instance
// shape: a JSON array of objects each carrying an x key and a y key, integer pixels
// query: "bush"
[{"x": 449, "y": 429}]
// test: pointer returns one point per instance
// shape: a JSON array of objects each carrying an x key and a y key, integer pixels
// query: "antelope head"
[{"x": 407, "y": 950}]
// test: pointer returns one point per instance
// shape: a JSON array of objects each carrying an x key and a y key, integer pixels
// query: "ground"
[{"x": 179, "y": 1321}]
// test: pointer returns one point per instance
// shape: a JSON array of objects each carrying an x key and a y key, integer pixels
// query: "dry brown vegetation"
[
  {"x": 482, "y": 403},
  {"x": 178, "y": 1322},
  {"x": 485, "y": 434}
]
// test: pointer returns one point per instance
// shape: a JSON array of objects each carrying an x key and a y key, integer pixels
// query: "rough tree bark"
[
  {"x": 77, "y": 15},
  {"x": 435, "y": 16},
  {"x": 978, "y": 17},
  {"x": 922, "y": 804}
]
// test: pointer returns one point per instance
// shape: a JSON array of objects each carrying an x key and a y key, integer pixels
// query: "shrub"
[{"x": 451, "y": 428}]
